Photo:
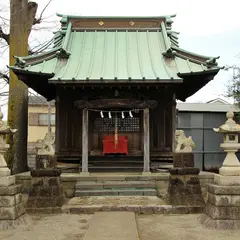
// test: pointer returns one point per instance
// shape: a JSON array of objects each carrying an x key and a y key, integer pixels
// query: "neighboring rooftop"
[
  {"x": 206, "y": 107},
  {"x": 218, "y": 101},
  {"x": 38, "y": 100}
]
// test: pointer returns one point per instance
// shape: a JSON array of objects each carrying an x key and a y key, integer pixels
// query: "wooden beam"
[
  {"x": 146, "y": 154},
  {"x": 85, "y": 141}
]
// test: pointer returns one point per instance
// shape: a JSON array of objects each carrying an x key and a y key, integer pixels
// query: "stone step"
[
  {"x": 114, "y": 184},
  {"x": 137, "y": 204},
  {"x": 117, "y": 192}
]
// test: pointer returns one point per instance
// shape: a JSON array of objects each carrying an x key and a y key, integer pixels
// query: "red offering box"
[{"x": 109, "y": 146}]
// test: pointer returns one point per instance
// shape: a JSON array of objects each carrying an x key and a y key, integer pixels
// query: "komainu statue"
[
  {"x": 183, "y": 143},
  {"x": 46, "y": 146}
]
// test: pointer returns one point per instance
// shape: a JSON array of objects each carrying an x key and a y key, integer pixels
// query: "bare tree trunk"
[{"x": 22, "y": 15}]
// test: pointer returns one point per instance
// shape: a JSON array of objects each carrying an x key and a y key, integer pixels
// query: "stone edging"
[{"x": 147, "y": 209}]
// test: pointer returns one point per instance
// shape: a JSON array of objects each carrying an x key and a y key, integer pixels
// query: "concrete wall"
[
  {"x": 38, "y": 132},
  {"x": 207, "y": 152}
]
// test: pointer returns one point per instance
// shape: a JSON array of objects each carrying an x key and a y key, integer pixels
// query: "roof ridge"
[{"x": 168, "y": 17}]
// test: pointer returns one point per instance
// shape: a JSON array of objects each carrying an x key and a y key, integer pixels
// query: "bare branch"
[
  {"x": 4, "y": 36},
  {"x": 38, "y": 20},
  {"x": 5, "y": 77}
]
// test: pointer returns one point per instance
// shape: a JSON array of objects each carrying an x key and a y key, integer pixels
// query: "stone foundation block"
[
  {"x": 57, "y": 191},
  {"x": 7, "y": 181},
  {"x": 69, "y": 193},
  {"x": 45, "y": 173},
  {"x": 37, "y": 181},
  {"x": 27, "y": 184},
  {"x": 10, "y": 190},
  {"x": 220, "y": 224},
  {"x": 229, "y": 171},
  {"x": 8, "y": 201},
  {"x": 12, "y": 213},
  {"x": 226, "y": 180},
  {"x": 53, "y": 181},
  {"x": 5, "y": 172},
  {"x": 46, "y": 192},
  {"x": 23, "y": 220},
  {"x": 223, "y": 190},
  {"x": 222, "y": 212},
  {"x": 184, "y": 171},
  {"x": 185, "y": 190},
  {"x": 183, "y": 160},
  {"x": 224, "y": 200}
]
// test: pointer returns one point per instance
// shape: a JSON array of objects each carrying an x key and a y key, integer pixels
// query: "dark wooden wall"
[
  {"x": 161, "y": 128},
  {"x": 68, "y": 125}
]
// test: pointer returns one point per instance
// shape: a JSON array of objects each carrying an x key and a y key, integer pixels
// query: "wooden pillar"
[
  {"x": 174, "y": 122},
  {"x": 85, "y": 141},
  {"x": 146, "y": 151}
]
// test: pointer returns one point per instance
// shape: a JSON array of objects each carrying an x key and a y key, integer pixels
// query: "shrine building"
[{"x": 115, "y": 82}]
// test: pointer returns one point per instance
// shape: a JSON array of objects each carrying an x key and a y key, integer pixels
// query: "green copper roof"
[{"x": 109, "y": 55}]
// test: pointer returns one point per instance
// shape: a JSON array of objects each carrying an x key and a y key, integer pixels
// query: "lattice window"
[{"x": 127, "y": 124}]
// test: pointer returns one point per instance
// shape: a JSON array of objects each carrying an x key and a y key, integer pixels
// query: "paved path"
[{"x": 112, "y": 226}]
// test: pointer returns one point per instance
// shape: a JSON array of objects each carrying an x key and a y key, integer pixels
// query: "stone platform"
[
  {"x": 69, "y": 180},
  {"x": 137, "y": 204},
  {"x": 222, "y": 209}
]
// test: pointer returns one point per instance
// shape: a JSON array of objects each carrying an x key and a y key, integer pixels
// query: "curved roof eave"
[{"x": 193, "y": 54}]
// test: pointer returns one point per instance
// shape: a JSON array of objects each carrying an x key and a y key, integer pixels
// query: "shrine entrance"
[{"x": 115, "y": 132}]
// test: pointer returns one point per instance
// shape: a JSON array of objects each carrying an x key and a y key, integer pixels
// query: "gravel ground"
[
  {"x": 150, "y": 227},
  {"x": 179, "y": 227},
  {"x": 51, "y": 227}
]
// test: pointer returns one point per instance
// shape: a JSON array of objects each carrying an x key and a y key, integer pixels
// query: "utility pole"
[{"x": 22, "y": 15}]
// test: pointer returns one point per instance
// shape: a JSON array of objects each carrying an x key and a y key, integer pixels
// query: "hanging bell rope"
[{"x": 116, "y": 131}]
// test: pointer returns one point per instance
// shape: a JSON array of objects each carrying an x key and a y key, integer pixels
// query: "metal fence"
[{"x": 207, "y": 152}]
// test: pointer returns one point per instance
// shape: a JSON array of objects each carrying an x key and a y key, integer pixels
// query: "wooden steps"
[{"x": 113, "y": 164}]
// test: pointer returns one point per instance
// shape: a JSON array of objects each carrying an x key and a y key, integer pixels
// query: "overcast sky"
[{"x": 208, "y": 27}]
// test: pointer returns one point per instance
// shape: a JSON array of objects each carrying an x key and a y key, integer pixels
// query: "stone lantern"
[
  {"x": 231, "y": 164},
  {"x": 222, "y": 209},
  {"x": 4, "y": 130},
  {"x": 12, "y": 212}
]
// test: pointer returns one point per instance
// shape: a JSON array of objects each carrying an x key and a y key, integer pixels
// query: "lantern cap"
[{"x": 230, "y": 126}]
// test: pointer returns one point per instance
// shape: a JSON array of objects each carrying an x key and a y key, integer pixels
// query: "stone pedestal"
[
  {"x": 184, "y": 186},
  {"x": 45, "y": 161},
  {"x": 12, "y": 212},
  {"x": 46, "y": 191},
  {"x": 222, "y": 210}
]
